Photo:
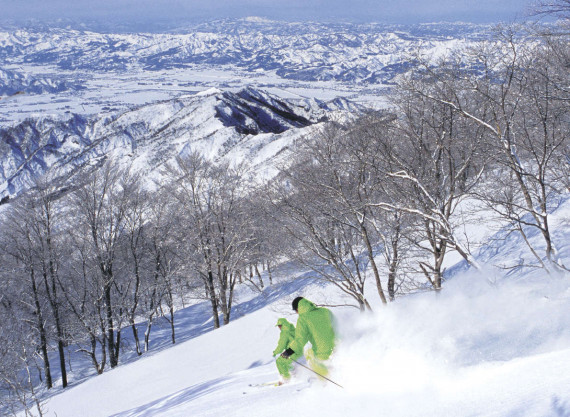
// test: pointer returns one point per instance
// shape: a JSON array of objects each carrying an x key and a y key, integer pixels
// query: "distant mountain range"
[
  {"x": 299, "y": 51},
  {"x": 68, "y": 68}
]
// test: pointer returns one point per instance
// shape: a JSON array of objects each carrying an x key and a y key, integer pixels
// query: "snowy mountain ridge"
[
  {"x": 14, "y": 82},
  {"x": 248, "y": 124}
]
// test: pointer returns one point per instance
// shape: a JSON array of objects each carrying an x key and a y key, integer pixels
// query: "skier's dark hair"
[{"x": 295, "y": 303}]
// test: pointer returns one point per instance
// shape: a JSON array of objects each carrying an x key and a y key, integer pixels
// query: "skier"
[
  {"x": 284, "y": 365},
  {"x": 315, "y": 325}
]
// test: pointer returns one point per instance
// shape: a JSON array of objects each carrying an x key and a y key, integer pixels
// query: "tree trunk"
[
  {"x": 136, "y": 337},
  {"x": 117, "y": 347},
  {"x": 53, "y": 300},
  {"x": 269, "y": 273},
  {"x": 147, "y": 334},
  {"x": 110, "y": 327},
  {"x": 211, "y": 291},
  {"x": 61, "y": 351},
  {"x": 172, "y": 330},
  {"x": 392, "y": 271},
  {"x": 370, "y": 253},
  {"x": 258, "y": 275},
  {"x": 133, "y": 311},
  {"x": 42, "y": 331},
  {"x": 99, "y": 366}
]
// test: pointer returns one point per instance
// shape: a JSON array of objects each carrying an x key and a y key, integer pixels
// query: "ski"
[{"x": 266, "y": 384}]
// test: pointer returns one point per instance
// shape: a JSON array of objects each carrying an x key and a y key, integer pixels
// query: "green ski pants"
[{"x": 284, "y": 366}]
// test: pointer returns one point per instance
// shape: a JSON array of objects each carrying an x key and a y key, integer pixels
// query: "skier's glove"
[{"x": 287, "y": 353}]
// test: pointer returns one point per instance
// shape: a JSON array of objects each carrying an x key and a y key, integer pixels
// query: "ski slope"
[
  {"x": 486, "y": 345},
  {"x": 481, "y": 349}
]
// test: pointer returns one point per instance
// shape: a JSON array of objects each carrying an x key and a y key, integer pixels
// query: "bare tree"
[
  {"x": 382, "y": 227},
  {"x": 47, "y": 216},
  {"x": 216, "y": 230},
  {"x": 135, "y": 268},
  {"x": 16, "y": 376},
  {"x": 523, "y": 110},
  {"x": 268, "y": 242},
  {"x": 163, "y": 255},
  {"x": 322, "y": 201},
  {"x": 101, "y": 204},
  {"x": 434, "y": 158},
  {"x": 23, "y": 351},
  {"x": 19, "y": 247},
  {"x": 81, "y": 286}
]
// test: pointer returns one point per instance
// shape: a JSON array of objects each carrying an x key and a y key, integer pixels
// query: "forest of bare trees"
[{"x": 373, "y": 202}]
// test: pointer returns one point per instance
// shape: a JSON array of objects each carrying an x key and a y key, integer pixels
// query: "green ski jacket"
[
  {"x": 315, "y": 325},
  {"x": 286, "y": 337}
]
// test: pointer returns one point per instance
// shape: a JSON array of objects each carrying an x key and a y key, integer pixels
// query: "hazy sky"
[{"x": 175, "y": 11}]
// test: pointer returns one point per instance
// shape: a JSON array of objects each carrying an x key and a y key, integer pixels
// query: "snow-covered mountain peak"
[
  {"x": 257, "y": 19},
  {"x": 209, "y": 92}
]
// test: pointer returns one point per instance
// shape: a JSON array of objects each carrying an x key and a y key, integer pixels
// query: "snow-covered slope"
[{"x": 485, "y": 346}]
